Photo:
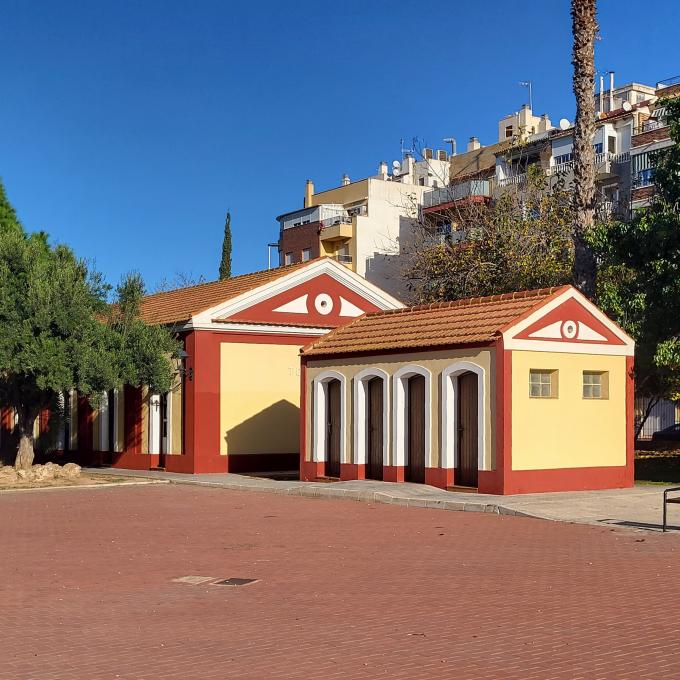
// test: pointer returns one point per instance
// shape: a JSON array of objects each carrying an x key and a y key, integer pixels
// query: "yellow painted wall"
[
  {"x": 569, "y": 431},
  {"x": 146, "y": 395},
  {"x": 259, "y": 398},
  {"x": 176, "y": 418},
  {"x": 356, "y": 191}
]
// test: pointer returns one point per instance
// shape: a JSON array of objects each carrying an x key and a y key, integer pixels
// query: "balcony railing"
[
  {"x": 343, "y": 259},
  {"x": 456, "y": 192},
  {"x": 513, "y": 180},
  {"x": 649, "y": 125},
  {"x": 336, "y": 220},
  {"x": 600, "y": 159}
]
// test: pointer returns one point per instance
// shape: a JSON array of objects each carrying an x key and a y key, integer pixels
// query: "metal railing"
[
  {"x": 456, "y": 192},
  {"x": 649, "y": 125},
  {"x": 600, "y": 159},
  {"x": 513, "y": 180},
  {"x": 336, "y": 220},
  {"x": 343, "y": 259},
  {"x": 668, "y": 82}
]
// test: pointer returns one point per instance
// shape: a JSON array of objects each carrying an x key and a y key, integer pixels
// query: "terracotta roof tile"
[
  {"x": 471, "y": 320},
  {"x": 179, "y": 305}
]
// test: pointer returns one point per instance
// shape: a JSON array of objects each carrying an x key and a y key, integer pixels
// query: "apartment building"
[
  {"x": 527, "y": 141},
  {"x": 650, "y": 135},
  {"x": 368, "y": 224}
]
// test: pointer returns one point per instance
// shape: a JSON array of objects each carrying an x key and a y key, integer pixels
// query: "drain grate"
[{"x": 236, "y": 582}]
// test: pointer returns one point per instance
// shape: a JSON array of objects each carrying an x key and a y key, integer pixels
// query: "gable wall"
[{"x": 568, "y": 431}]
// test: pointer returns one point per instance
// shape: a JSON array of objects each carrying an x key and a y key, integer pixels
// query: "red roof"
[{"x": 462, "y": 322}]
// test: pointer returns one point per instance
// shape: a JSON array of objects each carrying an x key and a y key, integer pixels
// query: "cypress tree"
[{"x": 225, "y": 263}]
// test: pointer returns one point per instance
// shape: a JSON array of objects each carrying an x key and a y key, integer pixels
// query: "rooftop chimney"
[
  {"x": 611, "y": 90},
  {"x": 473, "y": 144},
  {"x": 345, "y": 180},
  {"x": 382, "y": 169},
  {"x": 309, "y": 192}
]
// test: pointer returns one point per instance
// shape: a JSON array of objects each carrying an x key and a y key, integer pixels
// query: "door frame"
[
  {"x": 320, "y": 416},
  {"x": 360, "y": 399},
  {"x": 449, "y": 413},
  {"x": 400, "y": 412}
]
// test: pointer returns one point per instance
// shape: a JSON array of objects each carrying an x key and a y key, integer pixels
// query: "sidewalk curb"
[{"x": 311, "y": 490}]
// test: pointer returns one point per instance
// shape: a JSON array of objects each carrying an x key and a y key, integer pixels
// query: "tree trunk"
[
  {"x": 25, "y": 452},
  {"x": 584, "y": 28},
  {"x": 653, "y": 401}
]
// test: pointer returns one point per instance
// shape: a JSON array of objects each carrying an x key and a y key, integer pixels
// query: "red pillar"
[{"x": 202, "y": 406}]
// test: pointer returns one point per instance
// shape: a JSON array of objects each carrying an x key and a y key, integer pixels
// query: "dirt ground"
[{"x": 79, "y": 481}]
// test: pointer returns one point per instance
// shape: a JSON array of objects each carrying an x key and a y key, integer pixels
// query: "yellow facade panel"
[
  {"x": 259, "y": 398},
  {"x": 568, "y": 431}
]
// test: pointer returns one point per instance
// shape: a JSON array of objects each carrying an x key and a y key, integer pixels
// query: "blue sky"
[{"x": 127, "y": 128}]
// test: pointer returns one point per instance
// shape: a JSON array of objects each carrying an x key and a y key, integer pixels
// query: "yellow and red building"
[
  {"x": 517, "y": 393},
  {"x": 235, "y": 403}
]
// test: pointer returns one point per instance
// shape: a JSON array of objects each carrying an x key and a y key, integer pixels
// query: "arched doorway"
[
  {"x": 415, "y": 465},
  {"x": 333, "y": 428},
  {"x": 374, "y": 428},
  {"x": 467, "y": 430}
]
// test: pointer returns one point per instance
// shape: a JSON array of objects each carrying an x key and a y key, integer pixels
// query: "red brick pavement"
[{"x": 347, "y": 590}]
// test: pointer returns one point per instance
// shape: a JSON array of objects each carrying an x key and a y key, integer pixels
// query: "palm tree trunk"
[{"x": 584, "y": 28}]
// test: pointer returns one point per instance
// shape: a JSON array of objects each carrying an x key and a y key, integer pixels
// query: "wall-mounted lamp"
[{"x": 182, "y": 369}]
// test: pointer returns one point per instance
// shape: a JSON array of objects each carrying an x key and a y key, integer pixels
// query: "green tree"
[
  {"x": 57, "y": 331},
  {"x": 225, "y": 262},
  {"x": 639, "y": 277},
  {"x": 522, "y": 240}
]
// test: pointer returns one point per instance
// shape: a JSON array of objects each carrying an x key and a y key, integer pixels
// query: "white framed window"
[
  {"x": 306, "y": 254},
  {"x": 542, "y": 383},
  {"x": 288, "y": 258},
  {"x": 595, "y": 385}
]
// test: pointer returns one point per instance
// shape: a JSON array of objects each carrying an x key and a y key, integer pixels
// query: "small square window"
[
  {"x": 288, "y": 258},
  {"x": 542, "y": 384},
  {"x": 306, "y": 254},
  {"x": 595, "y": 385}
]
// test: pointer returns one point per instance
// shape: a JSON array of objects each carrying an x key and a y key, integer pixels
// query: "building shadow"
[{"x": 268, "y": 441}]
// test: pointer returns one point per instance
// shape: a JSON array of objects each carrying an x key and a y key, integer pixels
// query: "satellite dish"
[
  {"x": 627, "y": 106},
  {"x": 564, "y": 124},
  {"x": 396, "y": 165}
]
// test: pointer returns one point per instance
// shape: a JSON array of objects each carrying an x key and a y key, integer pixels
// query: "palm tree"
[{"x": 584, "y": 29}]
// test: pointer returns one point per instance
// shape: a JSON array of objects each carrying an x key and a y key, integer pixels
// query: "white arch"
[
  {"x": 400, "y": 413},
  {"x": 360, "y": 397},
  {"x": 320, "y": 417},
  {"x": 449, "y": 413}
]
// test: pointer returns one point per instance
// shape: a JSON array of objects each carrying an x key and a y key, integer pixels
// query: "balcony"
[
  {"x": 513, "y": 180},
  {"x": 340, "y": 229},
  {"x": 343, "y": 259},
  {"x": 604, "y": 163},
  {"x": 439, "y": 198}
]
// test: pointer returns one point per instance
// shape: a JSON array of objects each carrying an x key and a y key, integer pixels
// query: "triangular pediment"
[
  {"x": 323, "y": 294},
  {"x": 568, "y": 323}
]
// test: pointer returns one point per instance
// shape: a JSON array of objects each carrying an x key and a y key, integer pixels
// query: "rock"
[
  {"x": 25, "y": 475},
  {"x": 42, "y": 473},
  {"x": 71, "y": 471},
  {"x": 8, "y": 475}
]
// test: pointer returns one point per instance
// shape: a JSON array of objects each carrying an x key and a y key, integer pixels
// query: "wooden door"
[
  {"x": 415, "y": 468},
  {"x": 466, "y": 474},
  {"x": 374, "y": 426},
  {"x": 333, "y": 433}
]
